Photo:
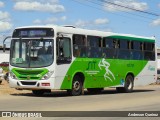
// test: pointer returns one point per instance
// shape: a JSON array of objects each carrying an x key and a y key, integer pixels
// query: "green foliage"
[{"x": 6, "y": 69}]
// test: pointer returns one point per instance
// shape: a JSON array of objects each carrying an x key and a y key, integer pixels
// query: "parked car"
[{"x": 1, "y": 75}]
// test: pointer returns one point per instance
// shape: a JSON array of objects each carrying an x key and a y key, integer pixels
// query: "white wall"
[{"x": 4, "y": 56}]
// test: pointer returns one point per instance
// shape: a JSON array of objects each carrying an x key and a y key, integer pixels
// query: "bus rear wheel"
[
  {"x": 128, "y": 86},
  {"x": 77, "y": 86}
]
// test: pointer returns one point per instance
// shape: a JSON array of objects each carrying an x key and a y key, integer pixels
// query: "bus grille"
[
  {"x": 23, "y": 74},
  {"x": 28, "y": 83}
]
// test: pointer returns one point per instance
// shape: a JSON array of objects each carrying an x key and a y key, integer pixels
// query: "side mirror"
[{"x": 4, "y": 47}]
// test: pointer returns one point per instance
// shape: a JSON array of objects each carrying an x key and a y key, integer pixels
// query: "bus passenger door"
[{"x": 63, "y": 60}]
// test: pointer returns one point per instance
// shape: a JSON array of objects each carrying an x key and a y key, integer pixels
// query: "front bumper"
[{"x": 32, "y": 84}]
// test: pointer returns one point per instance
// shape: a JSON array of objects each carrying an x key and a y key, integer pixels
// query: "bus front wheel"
[
  {"x": 77, "y": 86},
  {"x": 128, "y": 86}
]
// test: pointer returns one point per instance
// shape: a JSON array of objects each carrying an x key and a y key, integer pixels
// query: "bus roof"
[{"x": 74, "y": 30}]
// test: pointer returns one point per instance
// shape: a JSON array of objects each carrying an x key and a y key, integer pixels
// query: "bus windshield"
[{"x": 31, "y": 53}]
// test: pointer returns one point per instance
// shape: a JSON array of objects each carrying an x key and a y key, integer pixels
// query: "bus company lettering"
[
  {"x": 91, "y": 65},
  {"x": 91, "y": 68},
  {"x": 130, "y": 65}
]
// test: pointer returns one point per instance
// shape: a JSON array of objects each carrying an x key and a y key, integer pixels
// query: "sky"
[{"x": 88, "y": 14}]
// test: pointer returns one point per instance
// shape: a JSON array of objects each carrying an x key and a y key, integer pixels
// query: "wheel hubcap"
[
  {"x": 76, "y": 85},
  {"x": 129, "y": 83}
]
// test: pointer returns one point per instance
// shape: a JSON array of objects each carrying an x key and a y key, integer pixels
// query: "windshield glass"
[{"x": 31, "y": 53}]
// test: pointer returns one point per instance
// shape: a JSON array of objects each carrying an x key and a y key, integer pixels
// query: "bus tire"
[
  {"x": 38, "y": 92},
  {"x": 128, "y": 86},
  {"x": 95, "y": 90},
  {"x": 77, "y": 86}
]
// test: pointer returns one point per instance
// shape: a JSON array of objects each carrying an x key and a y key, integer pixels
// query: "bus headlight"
[
  {"x": 12, "y": 75},
  {"x": 47, "y": 75}
]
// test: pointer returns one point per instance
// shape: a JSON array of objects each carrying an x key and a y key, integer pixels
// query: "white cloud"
[
  {"x": 63, "y": 18},
  {"x": 51, "y": 20},
  {"x": 135, "y": 4},
  {"x": 156, "y": 22},
  {"x": 81, "y": 23},
  {"x": 5, "y": 23},
  {"x": 37, "y": 21},
  {"x": 101, "y": 21},
  {"x": 1, "y": 4},
  {"x": 51, "y": 1},
  {"x": 39, "y": 5},
  {"x": 4, "y": 26},
  {"x": 4, "y": 16}
]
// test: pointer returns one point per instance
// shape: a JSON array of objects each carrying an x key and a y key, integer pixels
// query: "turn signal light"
[{"x": 45, "y": 84}]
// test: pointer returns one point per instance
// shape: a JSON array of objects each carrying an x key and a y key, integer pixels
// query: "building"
[{"x": 4, "y": 55}]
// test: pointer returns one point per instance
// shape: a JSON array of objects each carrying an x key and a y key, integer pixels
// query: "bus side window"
[
  {"x": 109, "y": 48},
  {"x": 136, "y": 50},
  {"x": 63, "y": 50},
  {"x": 79, "y": 45},
  {"x": 94, "y": 49},
  {"x": 124, "y": 49},
  {"x": 149, "y": 51}
]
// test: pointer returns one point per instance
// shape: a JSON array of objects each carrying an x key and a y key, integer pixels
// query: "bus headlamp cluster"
[
  {"x": 12, "y": 75},
  {"x": 47, "y": 75}
]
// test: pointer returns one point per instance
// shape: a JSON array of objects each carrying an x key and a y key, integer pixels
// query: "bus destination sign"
[{"x": 38, "y": 32}]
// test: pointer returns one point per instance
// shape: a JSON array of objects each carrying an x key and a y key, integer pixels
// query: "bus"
[{"x": 45, "y": 58}]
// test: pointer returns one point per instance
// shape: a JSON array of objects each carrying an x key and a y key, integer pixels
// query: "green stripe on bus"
[{"x": 132, "y": 38}]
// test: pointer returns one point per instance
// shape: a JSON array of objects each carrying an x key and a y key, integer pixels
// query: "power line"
[
  {"x": 146, "y": 12},
  {"x": 95, "y": 3},
  {"x": 120, "y": 10}
]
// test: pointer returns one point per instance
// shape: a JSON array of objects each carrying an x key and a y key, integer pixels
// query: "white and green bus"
[{"x": 44, "y": 58}]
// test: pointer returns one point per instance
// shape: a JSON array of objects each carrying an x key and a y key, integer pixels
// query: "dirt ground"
[{"x": 6, "y": 90}]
